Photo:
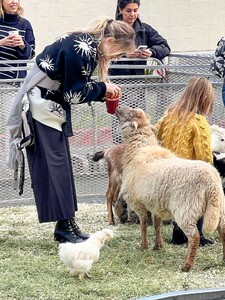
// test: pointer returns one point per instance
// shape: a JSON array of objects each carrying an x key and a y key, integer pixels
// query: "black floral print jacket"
[{"x": 71, "y": 60}]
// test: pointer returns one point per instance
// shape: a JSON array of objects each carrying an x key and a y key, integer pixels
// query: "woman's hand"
[
  {"x": 18, "y": 41},
  {"x": 113, "y": 91},
  {"x": 7, "y": 41},
  {"x": 137, "y": 53},
  {"x": 133, "y": 54},
  {"x": 13, "y": 41},
  {"x": 146, "y": 53}
]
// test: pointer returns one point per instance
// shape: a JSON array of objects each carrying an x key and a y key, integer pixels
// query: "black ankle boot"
[
  {"x": 77, "y": 230},
  {"x": 205, "y": 242},
  {"x": 178, "y": 236},
  {"x": 64, "y": 232}
]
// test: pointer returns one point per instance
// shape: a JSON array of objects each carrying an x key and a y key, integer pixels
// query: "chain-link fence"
[{"x": 95, "y": 129}]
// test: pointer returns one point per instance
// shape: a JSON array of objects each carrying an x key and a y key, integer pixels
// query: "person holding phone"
[{"x": 148, "y": 41}]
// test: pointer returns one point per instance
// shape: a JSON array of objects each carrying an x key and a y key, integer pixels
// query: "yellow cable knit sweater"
[{"x": 190, "y": 140}]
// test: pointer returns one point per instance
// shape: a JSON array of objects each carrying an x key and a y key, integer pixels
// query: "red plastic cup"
[{"x": 111, "y": 105}]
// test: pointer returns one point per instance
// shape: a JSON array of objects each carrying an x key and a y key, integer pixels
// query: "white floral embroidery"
[
  {"x": 85, "y": 46},
  {"x": 72, "y": 98},
  {"x": 56, "y": 109},
  {"x": 86, "y": 71},
  {"x": 62, "y": 37},
  {"x": 46, "y": 63}
]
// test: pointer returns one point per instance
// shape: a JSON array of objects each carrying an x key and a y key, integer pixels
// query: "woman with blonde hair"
[
  {"x": 185, "y": 130},
  {"x": 17, "y": 40},
  {"x": 61, "y": 77}
]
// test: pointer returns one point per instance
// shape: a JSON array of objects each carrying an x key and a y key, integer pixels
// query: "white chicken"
[{"x": 80, "y": 257}]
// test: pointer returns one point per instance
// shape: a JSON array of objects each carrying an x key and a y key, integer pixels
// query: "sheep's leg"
[
  {"x": 143, "y": 223},
  {"x": 141, "y": 211},
  {"x": 193, "y": 245},
  {"x": 159, "y": 243},
  {"x": 129, "y": 214},
  {"x": 120, "y": 209},
  {"x": 142, "y": 214},
  {"x": 109, "y": 199},
  {"x": 221, "y": 230}
]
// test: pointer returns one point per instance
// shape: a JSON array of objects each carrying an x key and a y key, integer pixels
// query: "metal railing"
[
  {"x": 96, "y": 130},
  {"x": 204, "y": 294}
]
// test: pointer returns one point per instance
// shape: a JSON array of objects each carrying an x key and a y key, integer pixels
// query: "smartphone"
[{"x": 142, "y": 47}]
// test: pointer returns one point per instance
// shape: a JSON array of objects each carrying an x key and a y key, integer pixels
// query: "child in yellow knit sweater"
[{"x": 184, "y": 129}]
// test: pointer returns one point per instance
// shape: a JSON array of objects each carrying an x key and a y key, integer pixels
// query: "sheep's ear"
[{"x": 134, "y": 124}]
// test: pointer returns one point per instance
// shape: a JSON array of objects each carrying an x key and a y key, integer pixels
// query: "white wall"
[{"x": 188, "y": 25}]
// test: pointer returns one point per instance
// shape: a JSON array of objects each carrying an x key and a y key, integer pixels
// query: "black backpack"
[{"x": 217, "y": 63}]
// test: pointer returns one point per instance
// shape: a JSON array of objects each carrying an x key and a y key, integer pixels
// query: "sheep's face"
[
  {"x": 131, "y": 119},
  {"x": 218, "y": 139}
]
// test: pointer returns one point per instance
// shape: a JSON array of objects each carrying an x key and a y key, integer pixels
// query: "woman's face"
[
  {"x": 10, "y": 6},
  {"x": 130, "y": 13}
]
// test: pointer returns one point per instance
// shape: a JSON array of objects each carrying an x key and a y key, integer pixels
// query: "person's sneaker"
[{"x": 205, "y": 242}]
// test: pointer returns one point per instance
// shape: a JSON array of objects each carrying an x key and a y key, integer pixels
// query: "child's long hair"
[
  {"x": 122, "y": 32},
  {"x": 19, "y": 12},
  {"x": 198, "y": 97}
]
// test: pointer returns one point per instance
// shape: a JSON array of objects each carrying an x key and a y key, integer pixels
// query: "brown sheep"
[
  {"x": 155, "y": 179},
  {"x": 114, "y": 158}
]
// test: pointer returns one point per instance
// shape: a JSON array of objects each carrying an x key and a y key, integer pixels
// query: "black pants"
[{"x": 51, "y": 174}]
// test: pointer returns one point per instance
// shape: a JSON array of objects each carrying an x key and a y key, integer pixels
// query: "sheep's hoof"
[
  {"x": 186, "y": 268},
  {"x": 111, "y": 221},
  {"x": 158, "y": 246},
  {"x": 143, "y": 248},
  {"x": 123, "y": 222}
]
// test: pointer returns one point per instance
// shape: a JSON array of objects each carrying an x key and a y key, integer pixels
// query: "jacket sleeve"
[
  {"x": 202, "y": 140},
  {"x": 156, "y": 43},
  {"x": 29, "y": 40},
  {"x": 70, "y": 64}
]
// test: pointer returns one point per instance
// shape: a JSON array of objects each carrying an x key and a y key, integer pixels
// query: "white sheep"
[{"x": 155, "y": 179}]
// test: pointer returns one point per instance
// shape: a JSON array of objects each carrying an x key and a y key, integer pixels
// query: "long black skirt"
[{"x": 51, "y": 174}]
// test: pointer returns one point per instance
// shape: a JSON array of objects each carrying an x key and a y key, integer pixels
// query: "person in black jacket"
[
  {"x": 157, "y": 46},
  {"x": 61, "y": 77}
]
